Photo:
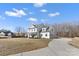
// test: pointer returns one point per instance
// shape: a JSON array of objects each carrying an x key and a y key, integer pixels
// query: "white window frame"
[{"x": 43, "y": 29}]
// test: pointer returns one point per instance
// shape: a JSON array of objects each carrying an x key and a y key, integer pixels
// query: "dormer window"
[{"x": 43, "y": 29}]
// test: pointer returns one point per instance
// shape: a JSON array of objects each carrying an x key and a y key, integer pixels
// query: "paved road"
[{"x": 57, "y": 47}]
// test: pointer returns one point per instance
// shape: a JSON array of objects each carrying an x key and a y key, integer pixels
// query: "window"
[
  {"x": 33, "y": 29},
  {"x": 43, "y": 29},
  {"x": 41, "y": 34},
  {"x": 46, "y": 35}
]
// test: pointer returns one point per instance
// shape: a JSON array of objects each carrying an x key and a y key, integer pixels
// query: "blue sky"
[{"x": 15, "y": 15}]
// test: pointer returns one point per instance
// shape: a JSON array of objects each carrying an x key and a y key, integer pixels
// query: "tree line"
[{"x": 66, "y": 30}]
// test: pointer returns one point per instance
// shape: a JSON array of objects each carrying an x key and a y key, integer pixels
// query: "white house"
[
  {"x": 2, "y": 34},
  {"x": 32, "y": 31},
  {"x": 44, "y": 33},
  {"x": 39, "y": 31},
  {"x": 5, "y": 33}
]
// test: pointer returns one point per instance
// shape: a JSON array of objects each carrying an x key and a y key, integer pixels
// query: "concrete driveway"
[{"x": 57, "y": 47}]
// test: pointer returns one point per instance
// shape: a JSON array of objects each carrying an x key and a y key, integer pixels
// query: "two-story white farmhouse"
[{"x": 40, "y": 31}]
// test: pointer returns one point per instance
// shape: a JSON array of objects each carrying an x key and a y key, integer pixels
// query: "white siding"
[
  {"x": 35, "y": 29},
  {"x": 45, "y": 35},
  {"x": 2, "y": 34},
  {"x": 32, "y": 30}
]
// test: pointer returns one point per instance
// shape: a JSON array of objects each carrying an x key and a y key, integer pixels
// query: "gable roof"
[
  {"x": 40, "y": 25},
  {"x": 5, "y": 31},
  {"x": 48, "y": 27}
]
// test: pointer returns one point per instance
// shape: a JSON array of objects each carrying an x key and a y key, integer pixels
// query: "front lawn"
[{"x": 18, "y": 45}]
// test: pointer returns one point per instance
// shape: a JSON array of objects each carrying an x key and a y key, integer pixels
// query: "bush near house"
[{"x": 20, "y": 35}]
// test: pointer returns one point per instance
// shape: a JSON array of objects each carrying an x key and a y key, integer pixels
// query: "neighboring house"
[
  {"x": 40, "y": 31},
  {"x": 5, "y": 33},
  {"x": 2, "y": 34}
]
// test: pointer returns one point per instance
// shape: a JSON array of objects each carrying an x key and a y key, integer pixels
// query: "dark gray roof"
[
  {"x": 40, "y": 25},
  {"x": 5, "y": 31}
]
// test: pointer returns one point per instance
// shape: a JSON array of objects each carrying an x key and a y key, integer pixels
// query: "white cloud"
[
  {"x": 15, "y": 12},
  {"x": 32, "y": 19},
  {"x": 39, "y": 4},
  {"x": 43, "y": 10},
  {"x": 54, "y": 14}
]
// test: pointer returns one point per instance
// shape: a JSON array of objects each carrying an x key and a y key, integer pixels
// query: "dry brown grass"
[
  {"x": 75, "y": 42},
  {"x": 18, "y": 45}
]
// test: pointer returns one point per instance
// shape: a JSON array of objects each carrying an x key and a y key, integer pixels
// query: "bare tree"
[
  {"x": 66, "y": 29},
  {"x": 20, "y": 31}
]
